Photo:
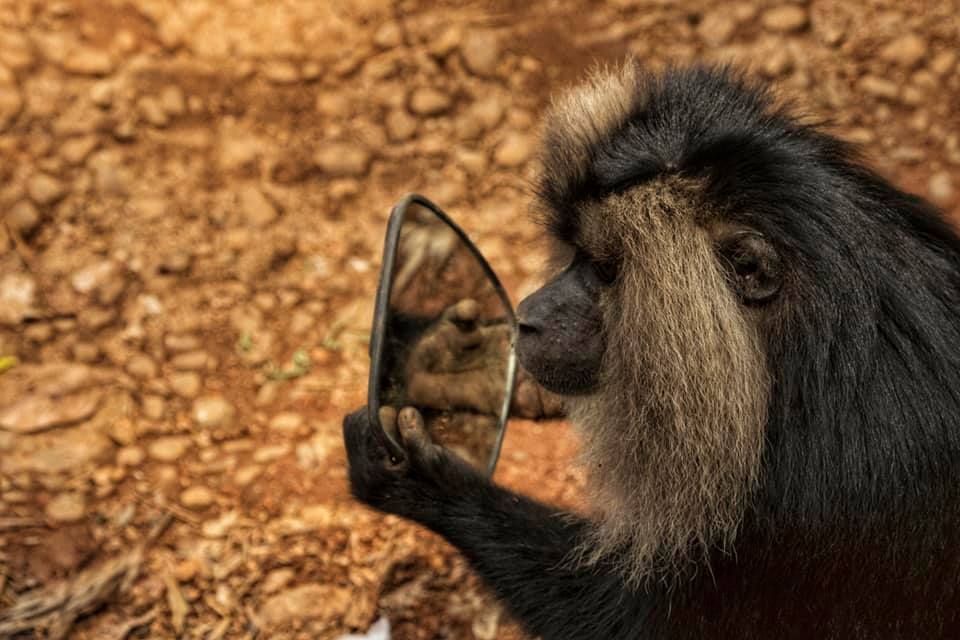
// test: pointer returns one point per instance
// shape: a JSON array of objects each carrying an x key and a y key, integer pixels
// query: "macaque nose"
[{"x": 526, "y": 320}]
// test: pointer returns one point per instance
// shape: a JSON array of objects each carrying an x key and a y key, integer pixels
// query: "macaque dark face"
[{"x": 561, "y": 339}]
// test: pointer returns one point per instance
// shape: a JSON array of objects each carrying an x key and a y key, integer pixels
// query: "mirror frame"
[{"x": 381, "y": 313}]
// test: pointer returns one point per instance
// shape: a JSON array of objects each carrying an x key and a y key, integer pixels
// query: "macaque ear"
[{"x": 753, "y": 266}]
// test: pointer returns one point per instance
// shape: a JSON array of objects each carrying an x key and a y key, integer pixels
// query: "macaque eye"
[
  {"x": 754, "y": 265},
  {"x": 606, "y": 270}
]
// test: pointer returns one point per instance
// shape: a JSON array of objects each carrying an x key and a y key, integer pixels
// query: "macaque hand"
[{"x": 412, "y": 487}]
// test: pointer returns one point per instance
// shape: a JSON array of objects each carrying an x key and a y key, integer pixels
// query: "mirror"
[{"x": 443, "y": 335}]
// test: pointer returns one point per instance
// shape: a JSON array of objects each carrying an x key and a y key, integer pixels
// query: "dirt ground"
[{"x": 193, "y": 196}]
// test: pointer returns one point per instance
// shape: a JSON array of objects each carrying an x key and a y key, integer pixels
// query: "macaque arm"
[{"x": 522, "y": 550}]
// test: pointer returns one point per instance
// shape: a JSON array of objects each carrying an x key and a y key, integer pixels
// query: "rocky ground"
[{"x": 193, "y": 197}]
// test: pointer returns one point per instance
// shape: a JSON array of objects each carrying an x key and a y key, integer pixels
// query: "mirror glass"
[{"x": 447, "y": 334}]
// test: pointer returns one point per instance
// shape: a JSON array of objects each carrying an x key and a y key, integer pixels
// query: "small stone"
[
  {"x": 197, "y": 498},
  {"x": 247, "y": 474},
  {"x": 177, "y": 261},
  {"x": 130, "y": 456},
  {"x": 288, "y": 422},
  {"x": 191, "y": 361},
  {"x": 172, "y": 101},
  {"x": 101, "y": 94},
  {"x": 154, "y": 407},
  {"x": 11, "y": 102},
  {"x": 18, "y": 298},
  {"x": 186, "y": 570},
  {"x": 141, "y": 366},
  {"x": 88, "y": 61},
  {"x": 515, "y": 150},
  {"x": 257, "y": 210},
  {"x": 169, "y": 448},
  {"x": 388, "y": 35},
  {"x": 785, "y": 18},
  {"x": 66, "y": 507},
  {"x": 339, "y": 159},
  {"x": 76, "y": 150},
  {"x": 45, "y": 189},
  {"x": 943, "y": 63},
  {"x": 270, "y": 453},
  {"x": 86, "y": 352},
  {"x": 152, "y": 112},
  {"x": 181, "y": 342},
  {"x": 281, "y": 72},
  {"x": 220, "y": 527},
  {"x": 907, "y": 50},
  {"x": 941, "y": 188},
  {"x": 23, "y": 218},
  {"x": 429, "y": 102},
  {"x": 213, "y": 412},
  {"x": 38, "y": 332},
  {"x": 481, "y": 52},
  {"x": 401, "y": 126},
  {"x": 277, "y": 580},
  {"x": 334, "y": 105},
  {"x": 306, "y": 602},
  {"x": 185, "y": 384},
  {"x": 92, "y": 277},
  {"x": 879, "y": 87},
  {"x": 717, "y": 27}
]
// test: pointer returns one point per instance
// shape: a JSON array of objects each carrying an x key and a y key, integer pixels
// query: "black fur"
[{"x": 854, "y": 531}]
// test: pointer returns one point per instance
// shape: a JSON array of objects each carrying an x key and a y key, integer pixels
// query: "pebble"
[
  {"x": 717, "y": 27},
  {"x": 879, "y": 87},
  {"x": 401, "y": 126},
  {"x": 172, "y": 100},
  {"x": 388, "y": 35},
  {"x": 305, "y": 602},
  {"x": 11, "y": 102},
  {"x": 18, "y": 298},
  {"x": 154, "y": 407},
  {"x": 480, "y": 50},
  {"x": 785, "y": 18},
  {"x": 130, "y": 456},
  {"x": 185, "y": 384},
  {"x": 101, "y": 93},
  {"x": 269, "y": 453},
  {"x": 190, "y": 361},
  {"x": 941, "y": 188},
  {"x": 213, "y": 412},
  {"x": 277, "y": 580},
  {"x": 186, "y": 570},
  {"x": 943, "y": 62},
  {"x": 197, "y": 498},
  {"x": 515, "y": 150},
  {"x": 256, "y": 208},
  {"x": 177, "y": 261},
  {"x": 88, "y": 61},
  {"x": 141, "y": 366},
  {"x": 220, "y": 527},
  {"x": 66, "y": 507},
  {"x": 152, "y": 112},
  {"x": 92, "y": 277},
  {"x": 429, "y": 102},
  {"x": 86, "y": 352},
  {"x": 287, "y": 421},
  {"x": 181, "y": 342},
  {"x": 77, "y": 149},
  {"x": 45, "y": 189},
  {"x": 23, "y": 217},
  {"x": 281, "y": 72},
  {"x": 907, "y": 50},
  {"x": 247, "y": 474},
  {"x": 169, "y": 448},
  {"x": 339, "y": 159}
]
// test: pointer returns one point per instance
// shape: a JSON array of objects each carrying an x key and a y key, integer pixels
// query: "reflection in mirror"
[{"x": 446, "y": 349}]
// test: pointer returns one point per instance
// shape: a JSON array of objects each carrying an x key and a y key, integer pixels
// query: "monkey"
[{"x": 757, "y": 339}]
